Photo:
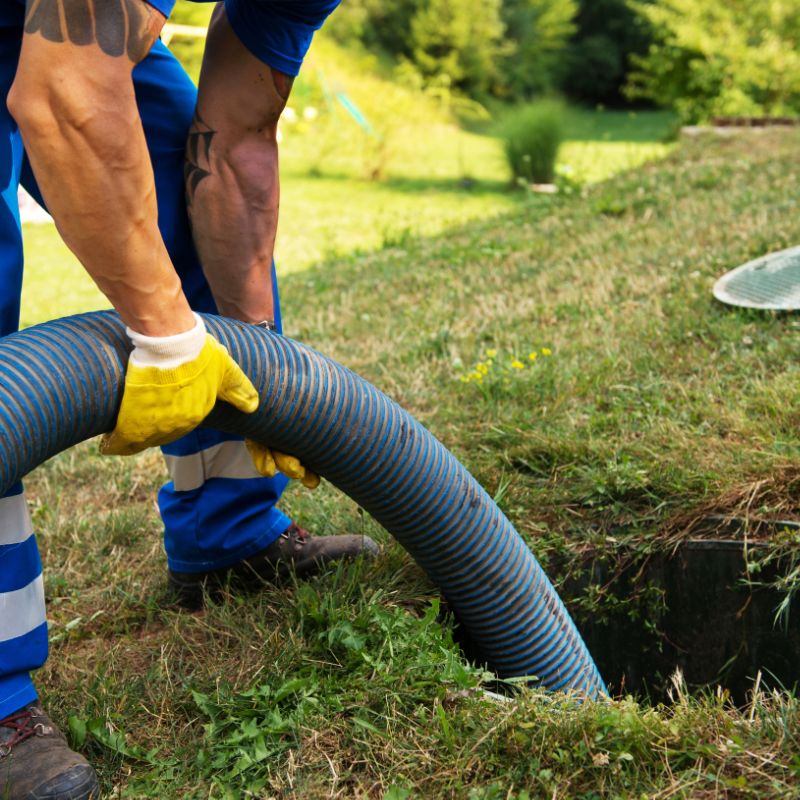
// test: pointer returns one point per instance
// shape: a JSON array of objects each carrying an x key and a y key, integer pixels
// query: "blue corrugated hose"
[{"x": 61, "y": 383}]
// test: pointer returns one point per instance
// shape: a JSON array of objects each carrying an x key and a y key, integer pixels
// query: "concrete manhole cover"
[{"x": 769, "y": 282}]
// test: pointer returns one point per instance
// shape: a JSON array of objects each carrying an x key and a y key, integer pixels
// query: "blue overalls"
[{"x": 217, "y": 510}]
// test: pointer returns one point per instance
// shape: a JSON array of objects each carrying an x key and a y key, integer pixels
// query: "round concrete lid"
[{"x": 769, "y": 282}]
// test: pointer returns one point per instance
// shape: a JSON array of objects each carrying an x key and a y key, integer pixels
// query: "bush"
[
  {"x": 532, "y": 136},
  {"x": 608, "y": 33},
  {"x": 376, "y": 24},
  {"x": 460, "y": 39},
  {"x": 720, "y": 58},
  {"x": 538, "y": 32},
  {"x": 505, "y": 48}
]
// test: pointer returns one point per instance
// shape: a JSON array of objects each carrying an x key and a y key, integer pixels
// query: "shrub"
[
  {"x": 538, "y": 32},
  {"x": 461, "y": 39},
  {"x": 720, "y": 58},
  {"x": 532, "y": 135},
  {"x": 506, "y": 48},
  {"x": 597, "y": 61}
]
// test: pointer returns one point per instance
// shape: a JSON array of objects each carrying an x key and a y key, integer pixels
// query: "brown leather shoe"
[
  {"x": 294, "y": 551},
  {"x": 36, "y": 762}
]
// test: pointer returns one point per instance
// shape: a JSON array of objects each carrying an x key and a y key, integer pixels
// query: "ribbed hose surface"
[{"x": 61, "y": 383}]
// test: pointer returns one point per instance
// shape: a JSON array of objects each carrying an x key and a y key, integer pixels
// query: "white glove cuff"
[{"x": 167, "y": 352}]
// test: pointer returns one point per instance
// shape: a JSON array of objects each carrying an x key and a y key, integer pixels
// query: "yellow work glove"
[
  {"x": 270, "y": 462},
  {"x": 171, "y": 385}
]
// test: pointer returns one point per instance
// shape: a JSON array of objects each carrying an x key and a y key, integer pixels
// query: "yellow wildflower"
[
  {"x": 481, "y": 368},
  {"x": 517, "y": 364},
  {"x": 533, "y": 356},
  {"x": 491, "y": 353},
  {"x": 546, "y": 351}
]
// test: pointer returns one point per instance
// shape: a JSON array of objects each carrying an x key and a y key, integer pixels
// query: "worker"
[{"x": 147, "y": 179}]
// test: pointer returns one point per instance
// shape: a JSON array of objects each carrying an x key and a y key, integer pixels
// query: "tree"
[
  {"x": 721, "y": 57},
  {"x": 377, "y": 24},
  {"x": 608, "y": 33},
  {"x": 461, "y": 39},
  {"x": 539, "y": 31},
  {"x": 510, "y": 48}
]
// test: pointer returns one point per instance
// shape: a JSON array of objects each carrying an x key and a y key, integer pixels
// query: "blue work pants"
[{"x": 217, "y": 510}]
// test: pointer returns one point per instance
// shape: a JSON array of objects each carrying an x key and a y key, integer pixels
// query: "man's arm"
[
  {"x": 73, "y": 99},
  {"x": 232, "y": 188},
  {"x": 74, "y": 102}
]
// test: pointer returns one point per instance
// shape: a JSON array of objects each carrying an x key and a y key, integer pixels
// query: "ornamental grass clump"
[{"x": 532, "y": 136}]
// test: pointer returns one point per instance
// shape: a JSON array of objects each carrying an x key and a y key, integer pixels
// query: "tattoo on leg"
[
  {"x": 118, "y": 27},
  {"x": 197, "y": 164}
]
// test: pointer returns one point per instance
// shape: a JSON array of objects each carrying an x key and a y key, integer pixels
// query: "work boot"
[
  {"x": 294, "y": 551},
  {"x": 36, "y": 762}
]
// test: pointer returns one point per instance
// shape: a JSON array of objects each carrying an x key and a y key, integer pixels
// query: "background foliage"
[
  {"x": 506, "y": 48},
  {"x": 702, "y": 58},
  {"x": 538, "y": 32},
  {"x": 720, "y": 58},
  {"x": 608, "y": 33}
]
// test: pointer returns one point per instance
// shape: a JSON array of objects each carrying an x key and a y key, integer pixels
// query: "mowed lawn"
[
  {"x": 571, "y": 354},
  {"x": 339, "y": 211}
]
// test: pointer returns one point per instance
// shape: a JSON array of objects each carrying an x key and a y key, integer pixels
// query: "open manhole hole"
[
  {"x": 710, "y": 621},
  {"x": 771, "y": 282}
]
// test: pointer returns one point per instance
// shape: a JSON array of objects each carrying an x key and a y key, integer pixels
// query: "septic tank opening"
[{"x": 717, "y": 623}]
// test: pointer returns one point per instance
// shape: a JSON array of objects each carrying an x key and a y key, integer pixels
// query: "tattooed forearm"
[
  {"x": 118, "y": 27},
  {"x": 197, "y": 164}
]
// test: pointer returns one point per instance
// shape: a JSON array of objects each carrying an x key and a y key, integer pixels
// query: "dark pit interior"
[
  {"x": 698, "y": 613},
  {"x": 717, "y": 627}
]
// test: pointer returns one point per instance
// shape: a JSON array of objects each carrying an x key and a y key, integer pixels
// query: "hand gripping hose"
[{"x": 61, "y": 383}]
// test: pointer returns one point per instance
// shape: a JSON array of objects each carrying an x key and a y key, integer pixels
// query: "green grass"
[
  {"x": 54, "y": 282},
  {"x": 344, "y": 191},
  {"x": 436, "y": 176},
  {"x": 655, "y": 406},
  {"x": 433, "y": 174}
]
